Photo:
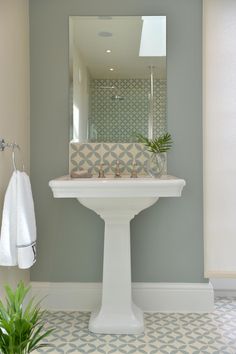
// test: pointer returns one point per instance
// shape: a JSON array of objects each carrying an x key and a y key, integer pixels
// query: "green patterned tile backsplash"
[
  {"x": 119, "y": 109},
  {"x": 89, "y": 156}
]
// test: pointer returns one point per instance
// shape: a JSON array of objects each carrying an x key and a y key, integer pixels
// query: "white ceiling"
[{"x": 124, "y": 44}]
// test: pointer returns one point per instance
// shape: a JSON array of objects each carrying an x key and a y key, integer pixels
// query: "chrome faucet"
[{"x": 117, "y": 169}]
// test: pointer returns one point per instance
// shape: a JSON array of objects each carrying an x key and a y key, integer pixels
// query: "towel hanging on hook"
[{"x": 18, "y": 229}]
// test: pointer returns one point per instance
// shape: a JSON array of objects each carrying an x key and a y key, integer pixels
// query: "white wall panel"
[{"x": 219, "y": 124}]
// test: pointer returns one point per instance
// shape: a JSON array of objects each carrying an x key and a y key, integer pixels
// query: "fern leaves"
[{"x": 158, "y": 145}]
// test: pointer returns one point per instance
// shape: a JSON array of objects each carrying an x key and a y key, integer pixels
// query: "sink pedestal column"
[{"x": 117, "y": 314}]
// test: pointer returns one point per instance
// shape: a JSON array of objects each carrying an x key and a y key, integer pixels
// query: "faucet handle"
[
  {"x": 101, "y": 173},
  {"x": 134, "y": 173}
]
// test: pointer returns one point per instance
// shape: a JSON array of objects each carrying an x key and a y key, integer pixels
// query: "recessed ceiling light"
[
  {"x": 105, "y": 34},
  {"x": 111, "y": 69},
  {"x": 108, "y": 51}
]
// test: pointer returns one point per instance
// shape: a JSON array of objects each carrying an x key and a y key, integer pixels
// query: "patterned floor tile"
[{"x": 213, "y": 333}]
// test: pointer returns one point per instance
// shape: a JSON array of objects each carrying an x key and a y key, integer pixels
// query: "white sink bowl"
[
  {"x": 117, "y": 201},
  {"x": 67, "y": 187}
]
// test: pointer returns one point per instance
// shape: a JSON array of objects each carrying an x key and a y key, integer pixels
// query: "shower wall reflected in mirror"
[{"x": 117, "y": 77}]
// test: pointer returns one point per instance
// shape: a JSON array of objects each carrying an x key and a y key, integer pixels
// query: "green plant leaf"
[
  {"x": 21, "y": 327},
  {"x": 157, "y": 145},
  {"x": 38, "y": 338}
]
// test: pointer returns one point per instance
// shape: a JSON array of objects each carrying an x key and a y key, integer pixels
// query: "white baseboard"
[
  {"x": 150, "y": 297},
  {"x": 224, "y": 287}
]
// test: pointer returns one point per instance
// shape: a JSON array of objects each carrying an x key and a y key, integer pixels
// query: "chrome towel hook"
[
  {"x": 14, "y": 146},
  {"x": 2, "y": 144}
]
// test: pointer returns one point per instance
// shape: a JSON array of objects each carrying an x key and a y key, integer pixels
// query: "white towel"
[{"x": 18, "y": 231}]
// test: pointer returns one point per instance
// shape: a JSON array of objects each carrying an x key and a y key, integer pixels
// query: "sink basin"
[
  {"x": 67, "y": 187},
  {"x": 117, "y": 201}
]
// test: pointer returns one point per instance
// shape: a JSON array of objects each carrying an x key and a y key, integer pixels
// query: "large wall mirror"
[{"x": 117, "y": 77}]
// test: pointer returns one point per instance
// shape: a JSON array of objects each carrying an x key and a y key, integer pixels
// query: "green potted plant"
[
  {"x": 21, "y": 325},
  {"x": 158, "y": 148}
]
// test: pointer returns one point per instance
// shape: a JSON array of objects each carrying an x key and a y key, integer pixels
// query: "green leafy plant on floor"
[
  {"x": 157, "y": 145},
  {"x": 21, "y": 325}
]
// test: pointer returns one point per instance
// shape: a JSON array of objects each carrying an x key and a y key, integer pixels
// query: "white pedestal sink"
[{"x": 117, "y": 201}]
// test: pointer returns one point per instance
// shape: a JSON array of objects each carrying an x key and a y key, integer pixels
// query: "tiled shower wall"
[{"x": 120, "y": 119}]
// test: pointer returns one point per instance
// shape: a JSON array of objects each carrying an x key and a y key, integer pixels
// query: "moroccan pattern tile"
[
  {"x": 119, "y": 109},
  {"x": 85, "y": 156},
  {"x": 89, "y": 156},
  {"x": 213, "y": 333}
]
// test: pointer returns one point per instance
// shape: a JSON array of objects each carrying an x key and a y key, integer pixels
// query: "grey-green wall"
[{"x": 167, "y": 239}]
